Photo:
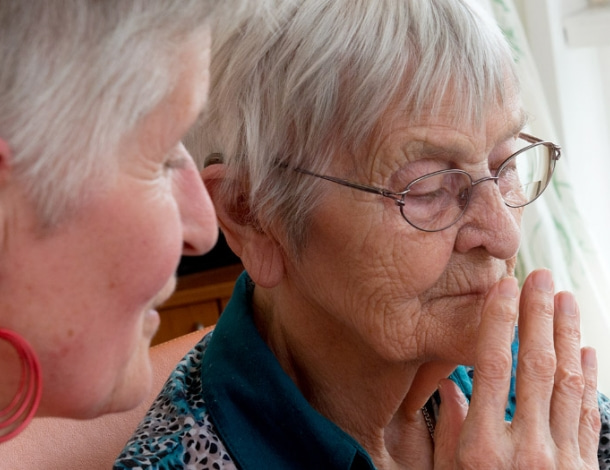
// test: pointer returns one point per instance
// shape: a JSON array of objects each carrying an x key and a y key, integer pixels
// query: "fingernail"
[
  {"x": 508, "y": 287},
  {"x": 589, "y": 358},
  {"x": 567, "y": 303},
  {"x": 543, "y": 280},
  {"x": 445, "y": 389}
]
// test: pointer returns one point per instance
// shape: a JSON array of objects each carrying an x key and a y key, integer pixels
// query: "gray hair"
[
  {"x": 77, "y": 76},
  {"x": 304, "y": 80}
]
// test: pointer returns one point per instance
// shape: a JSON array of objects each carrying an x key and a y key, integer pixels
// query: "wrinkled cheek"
[{"x": 434, "y": 260}]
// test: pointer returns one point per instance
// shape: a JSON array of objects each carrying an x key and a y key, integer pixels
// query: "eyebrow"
[
  {"x": 518, "y": 128},
  {"x": 431, "y": 149}
]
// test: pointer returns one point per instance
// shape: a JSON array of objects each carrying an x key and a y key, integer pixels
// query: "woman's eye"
[
  {"x": 175, "y": 159},
  {"x": 174, "y": 163},
  {"x": 415, "y": 170}
]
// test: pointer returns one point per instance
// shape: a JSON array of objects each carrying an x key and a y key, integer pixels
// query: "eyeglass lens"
[{"x": 437, "y": 201}]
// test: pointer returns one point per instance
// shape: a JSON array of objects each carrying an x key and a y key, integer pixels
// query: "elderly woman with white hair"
[
  {"x": 369, "y": 164},
  {"x": 98, "y": 197}
]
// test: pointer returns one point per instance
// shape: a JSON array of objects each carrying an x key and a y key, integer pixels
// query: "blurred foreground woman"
[{"x": 98, "y": 197}]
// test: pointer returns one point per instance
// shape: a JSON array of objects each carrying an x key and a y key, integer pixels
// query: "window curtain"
[{"x": 554, "y": 235}]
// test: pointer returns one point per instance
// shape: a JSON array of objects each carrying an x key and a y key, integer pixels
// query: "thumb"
[{"x": 452, "y": 413}]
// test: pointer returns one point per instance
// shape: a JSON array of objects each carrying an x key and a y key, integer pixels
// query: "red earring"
[{"x": 18, "y": 414}]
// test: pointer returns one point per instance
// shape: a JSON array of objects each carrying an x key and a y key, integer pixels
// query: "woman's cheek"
[{"x": 429, "y": 261}]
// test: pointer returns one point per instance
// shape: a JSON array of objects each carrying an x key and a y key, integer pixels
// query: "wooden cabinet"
[{"x": 197, "y": 303}]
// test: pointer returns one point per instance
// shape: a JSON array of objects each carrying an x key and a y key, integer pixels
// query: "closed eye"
[{"x": 176, "y": 158}]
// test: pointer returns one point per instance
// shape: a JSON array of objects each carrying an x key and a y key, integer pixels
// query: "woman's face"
[
  {"x": 405, "y": 293},
  {"x": 84, "y": 293}
]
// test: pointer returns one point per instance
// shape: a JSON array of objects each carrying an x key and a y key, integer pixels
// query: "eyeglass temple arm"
[
  {"x": 397, "y": 197},
  {"x": 535, "y": 140}
]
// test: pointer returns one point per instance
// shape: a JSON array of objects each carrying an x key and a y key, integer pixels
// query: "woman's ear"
[{"x": 258, "y": 250}]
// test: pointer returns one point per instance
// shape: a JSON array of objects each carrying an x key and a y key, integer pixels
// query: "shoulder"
[{"x": 177, "y": 429}]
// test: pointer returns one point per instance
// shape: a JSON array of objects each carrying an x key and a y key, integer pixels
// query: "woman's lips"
[{"x": 152, "y": 320}]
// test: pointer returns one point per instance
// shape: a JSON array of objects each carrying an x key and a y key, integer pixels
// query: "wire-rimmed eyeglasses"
[{"x": 436, "y": 201}]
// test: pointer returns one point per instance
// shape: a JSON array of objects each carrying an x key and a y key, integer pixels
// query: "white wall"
[
  {"x": 585, "y": 95},
  {"x": 577, "y": 87},
  {"x": 604, "y": 57}
]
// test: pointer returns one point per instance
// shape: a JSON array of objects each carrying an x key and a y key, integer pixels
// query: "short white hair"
[
  {"x": 303, "y": 80},
  {"x": 77, "y": 76}
]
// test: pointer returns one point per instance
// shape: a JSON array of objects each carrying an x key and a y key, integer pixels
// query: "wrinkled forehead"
[
  {"x": 500, "y": 111},
  {"x": 460, "y": 107},
  {"x": 463, "y": 100},
  {"x": 456, "y": 95},
  {"x": 447, "y": 123}
]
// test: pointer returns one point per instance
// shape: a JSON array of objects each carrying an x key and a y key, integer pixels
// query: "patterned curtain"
[{"x": 554, "y": 235}]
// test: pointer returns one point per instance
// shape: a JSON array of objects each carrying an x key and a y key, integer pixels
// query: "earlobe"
[
  {"x": 264, "y": 261},
  {"x": 259, "y": 251}
]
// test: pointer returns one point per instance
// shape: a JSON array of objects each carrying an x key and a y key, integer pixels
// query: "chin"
[
  {"x": 150, "y": 324},
  {"x": 134, "y": 385}
]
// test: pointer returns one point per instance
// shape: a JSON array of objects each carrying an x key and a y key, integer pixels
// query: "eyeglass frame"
[{"x": 398, "y": 197}]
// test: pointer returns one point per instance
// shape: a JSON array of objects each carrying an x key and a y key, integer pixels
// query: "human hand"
[{"x": 556, "y": 422}]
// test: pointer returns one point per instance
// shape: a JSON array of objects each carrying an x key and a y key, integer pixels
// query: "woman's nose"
[
  {"x": 489, "y": 223},
  {"x": 199, "y": 225}
]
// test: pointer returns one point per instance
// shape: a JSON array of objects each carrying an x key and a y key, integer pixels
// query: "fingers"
[
  {"x": 537, "y": 360},
  {"x": 484, "y": 441},
  {"x": 556, "y": 383},
  {"x": 452, "y": 412},
  {"x": 556, "y": 421},
  {"x": 493, "y": 358},
  {"x": 569, "y": 380},
  {"x": 590, "y": 424}
]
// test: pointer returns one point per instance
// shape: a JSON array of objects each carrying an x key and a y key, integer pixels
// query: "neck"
[{"x": 375, "y": 400}]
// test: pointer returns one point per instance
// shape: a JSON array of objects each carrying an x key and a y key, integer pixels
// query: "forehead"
[
  {"x": 448, "y": 130},
  {"x": 190, "y": 91},
  {"x": 178, "y": 111}
]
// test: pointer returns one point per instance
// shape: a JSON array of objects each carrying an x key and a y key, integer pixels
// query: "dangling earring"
[{"x": 20, "y": 411}]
